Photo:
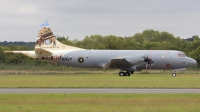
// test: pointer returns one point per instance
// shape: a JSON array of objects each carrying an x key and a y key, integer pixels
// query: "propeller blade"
[
  {"x": 148, "y": 62},
  {"x": 150, "y": 66},
  {"x": 146, "y": 65}
]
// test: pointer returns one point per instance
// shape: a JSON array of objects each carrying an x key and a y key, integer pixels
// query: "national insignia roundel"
[{"x": 80, "y": 59}]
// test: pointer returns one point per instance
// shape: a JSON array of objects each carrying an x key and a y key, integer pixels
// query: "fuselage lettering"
[{"x": 66, "y": 58}]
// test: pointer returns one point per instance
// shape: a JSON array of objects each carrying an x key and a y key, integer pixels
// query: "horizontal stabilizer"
[
  {"x": 8, "y": 52},
  {"x": 40, "y": 51},
  {"x": 27, "y": 53}
]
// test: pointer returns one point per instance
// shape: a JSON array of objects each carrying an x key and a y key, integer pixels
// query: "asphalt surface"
[{"x": 94, "y": 90}]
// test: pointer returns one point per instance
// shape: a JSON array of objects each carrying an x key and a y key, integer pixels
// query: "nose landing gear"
[{"x": 174, "y": 74}]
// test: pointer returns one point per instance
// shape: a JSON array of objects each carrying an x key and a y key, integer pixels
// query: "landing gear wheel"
[
  {"x": 174, "y": 74},
  {"x": 132, "y": 72},
  {"x": 121, "y": 74},
  {"x": 127, "y": 74}
]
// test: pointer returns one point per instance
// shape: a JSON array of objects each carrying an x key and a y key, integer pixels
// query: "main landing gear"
[{"x": 125, "y": 73}]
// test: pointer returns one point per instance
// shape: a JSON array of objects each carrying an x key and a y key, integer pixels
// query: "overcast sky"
[{"x": 20, "y": 19}]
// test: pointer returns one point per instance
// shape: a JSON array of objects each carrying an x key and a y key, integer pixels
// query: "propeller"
[{"x": 148, "y": 61}]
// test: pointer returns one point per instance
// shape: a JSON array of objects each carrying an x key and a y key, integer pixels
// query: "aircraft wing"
[{"x": 116, "y": 62}]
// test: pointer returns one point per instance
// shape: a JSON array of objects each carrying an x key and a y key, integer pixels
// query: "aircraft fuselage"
[{"x": 162, "y": 59}]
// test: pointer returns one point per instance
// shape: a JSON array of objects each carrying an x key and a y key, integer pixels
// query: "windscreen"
[{"x": 181, "y": 55}]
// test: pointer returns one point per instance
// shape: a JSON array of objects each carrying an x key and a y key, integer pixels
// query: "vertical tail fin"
[{"x": 46, "y": 41}]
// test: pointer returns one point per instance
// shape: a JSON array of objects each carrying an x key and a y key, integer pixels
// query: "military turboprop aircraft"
[{"x": 49, "y": 49}]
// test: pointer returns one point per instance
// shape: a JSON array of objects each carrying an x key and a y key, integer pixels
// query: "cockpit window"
[{"x": 180, "y": 55}]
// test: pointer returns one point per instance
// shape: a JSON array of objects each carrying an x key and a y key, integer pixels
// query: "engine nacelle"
[{"x": 135, "y": 59}]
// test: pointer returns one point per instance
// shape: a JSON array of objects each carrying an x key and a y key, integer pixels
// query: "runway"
[{"x": 94, "y": 90}]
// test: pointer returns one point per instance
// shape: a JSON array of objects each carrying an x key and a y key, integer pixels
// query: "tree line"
[{"x": 147, "y": 40}]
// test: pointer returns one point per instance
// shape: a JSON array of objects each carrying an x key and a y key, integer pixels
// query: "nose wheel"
[{"x": 174, "y": 74}]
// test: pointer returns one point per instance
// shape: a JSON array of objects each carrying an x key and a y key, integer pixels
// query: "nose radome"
[
  {"x": 195, "y": 62},
  {"x": 192, "y": 62}
]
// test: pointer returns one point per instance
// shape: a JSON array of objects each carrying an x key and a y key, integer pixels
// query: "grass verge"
[
  {"x": 99, "y": 81},
  {"x": 99, "y": 102}
]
